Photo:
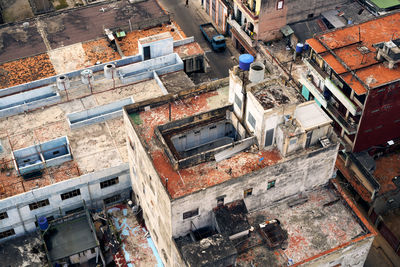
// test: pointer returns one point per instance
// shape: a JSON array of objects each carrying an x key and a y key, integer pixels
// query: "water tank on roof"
[
  {"x": 245, "y": 60},
  {"x": 63, "y": 82},
  {"x": 299, "y": 48},
  {"x": 256, "y": 74},
  {"x": 43, "y": 223},
  {"x": 87, "y": 76},
  {"x": 306, "y": 46},
  {"x": 110, "y": 71}
]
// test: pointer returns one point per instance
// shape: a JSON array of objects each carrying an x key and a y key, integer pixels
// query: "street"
[{"x": 189, "y": 19}]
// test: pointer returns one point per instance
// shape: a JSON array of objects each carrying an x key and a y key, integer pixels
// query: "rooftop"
[
  {"x": 310, "y": 225},
  {"x": 197, "y": 174},
  {"x": 272, "y": 93},
  {"x": 70, "y": 237},
  {"x": 73, "y": 26},
  {"x": 137, "y": 247},
  {"x": 323, "y": 221},
  {"x": 347, "y": 43},
  {"x": 27, "y": 250},
  {"x": 84, "y": 54},
  {"x": 94, "y": 147}
]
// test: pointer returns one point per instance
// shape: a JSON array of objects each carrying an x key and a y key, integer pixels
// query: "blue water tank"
[
  {"x": 306, "y": 46},
  {"x": 299, "y": 48},
  {"x": 245, "y": 60},
  {"x": 42, "y": 222}
]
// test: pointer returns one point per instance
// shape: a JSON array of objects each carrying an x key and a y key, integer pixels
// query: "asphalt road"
[{"x": 189, "y": 18}]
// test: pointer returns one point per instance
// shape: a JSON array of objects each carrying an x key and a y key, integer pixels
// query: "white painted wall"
[{"x": 22, "y": 219}]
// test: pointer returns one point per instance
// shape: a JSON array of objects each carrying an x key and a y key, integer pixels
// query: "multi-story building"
[
  {"x": 253, "y": 20},
  {"x": 218, "y": 168},
  {"x": 61, "y": 143},
  {"x": 354, "y": 75}
]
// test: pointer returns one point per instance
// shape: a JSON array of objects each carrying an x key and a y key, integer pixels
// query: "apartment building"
[
  {"x": 353, "y": 74},
  {"x": 218, "y": 168}
]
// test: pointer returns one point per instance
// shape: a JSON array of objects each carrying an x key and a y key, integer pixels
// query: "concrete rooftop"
[
  {"x": 94, "y": 147},
  {"x": 72, "y": 26},
  {"x": 327, "y": 221},
  {"x": 84, "y": 54},
  {"x": 191, "y": 179}
]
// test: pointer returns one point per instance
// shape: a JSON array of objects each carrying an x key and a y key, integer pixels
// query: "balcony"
[
  {"x": 245, "y": 7},
  {"x": 348, "y": 127},
  {"x": 250, "y": 40}
]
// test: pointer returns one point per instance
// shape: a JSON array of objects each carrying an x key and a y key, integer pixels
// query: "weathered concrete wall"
[
  {"x": 271, "y": 19},
  {"x": 353, "y": 255},
  {"x": 150, "y": 194},
  {"x": 22, "y": 219},
  {"x": 298, "y": 173}
]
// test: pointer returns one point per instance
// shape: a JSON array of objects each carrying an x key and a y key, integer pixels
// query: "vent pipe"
[{"x": 63, "y": 82}]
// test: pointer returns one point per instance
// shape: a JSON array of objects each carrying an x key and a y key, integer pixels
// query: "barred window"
[
  {"x": 112, "y": 199},
  {"x": 7, "y": 233},
  {"x": 189, "y": 214},
  {"x": 70, "y": 194},
  {"x": 39, "y": 204},
  {"x": 109, "y": 182},
  {"x": 3, "y": 215}
]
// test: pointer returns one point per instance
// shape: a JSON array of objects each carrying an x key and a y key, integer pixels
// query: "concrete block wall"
[
  {"x": 26, "y": 101},
  {"x": 97, "y": 114},
  {"x": 298, "y": 173},
  {"x": 158, "y": 48},
  {"x": 22, "y": 219}
]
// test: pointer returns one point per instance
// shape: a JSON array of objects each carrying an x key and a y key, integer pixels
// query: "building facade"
[{"x": 192, "y": 153}]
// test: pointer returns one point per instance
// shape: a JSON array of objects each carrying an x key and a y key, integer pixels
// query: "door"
[
  {"x": 146, "y": 52},
  {"x": 269, "y": 136},
  {"x": 308, "y": 141}
]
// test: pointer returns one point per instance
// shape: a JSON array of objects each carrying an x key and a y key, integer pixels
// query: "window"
[
  {"x": 238, "y": 102},
  {"x": 39, "y": 204},
  {"x": 112, "y": 199},
  {"x": 310, "y": 15},
  {"x": 3, "y": 215},
  {"x": 279, "y": 5},
  {"x": 190, "y": 214},
  {"x": 248, "y": 192},
  {"x": 74, "y": 210},
  {"x": 70, "y": 194},
  {"x": 251, "y": 120},
  {"x": 109, "y": 182},
  {"x": 220, "y": 201},
  {"x": 271, "y": 184},
  {"x": 92, "y": 250},
  {"x": 7, "y": 233}
]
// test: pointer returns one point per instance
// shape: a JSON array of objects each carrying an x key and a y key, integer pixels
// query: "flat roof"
[
  {"x": 84, "y": 54},
  {"x": 69, "y": 238},
  {"x": 310, "y": 115},
  {"x": 94, "y": 147},
  {"x": 26, "y": 250},
  {"x": 273, "y": 93},
  {"x": 326, "y": 220},
  {"x": 387, "y": 167},
  {"x": 346, "y": 42},
  {"x": 191, "y": 179}
]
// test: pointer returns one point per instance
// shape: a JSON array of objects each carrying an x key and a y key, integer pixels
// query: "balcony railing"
[
  {"x": 349, "y": 128},
  {"x": 244, "y": 6},
  {"x": 248, "y": 39}
]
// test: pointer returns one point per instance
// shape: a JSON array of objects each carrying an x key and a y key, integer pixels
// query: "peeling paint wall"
[
  {"x": 151, "y": 195},
  {"x": 353, "y": 255},
  {"x": 297, "y": 174}
]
